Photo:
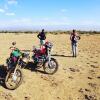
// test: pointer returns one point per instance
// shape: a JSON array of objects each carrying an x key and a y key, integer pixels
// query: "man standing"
[
  {"x": 74, "y": 37},
  {"x": 42, "y": 37}
]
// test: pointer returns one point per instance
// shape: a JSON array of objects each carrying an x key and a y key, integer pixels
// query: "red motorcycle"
[{"x": 42, "y": 58}]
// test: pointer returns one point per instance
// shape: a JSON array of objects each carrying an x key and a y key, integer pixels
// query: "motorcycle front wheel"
[
  {"x": 50, "y": 67},
  {"x": 13, "y": 80}
]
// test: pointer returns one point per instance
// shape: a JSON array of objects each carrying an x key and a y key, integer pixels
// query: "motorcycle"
[
  {"x": 42, "y": 58},
  {"x": 14, "y": 75}
]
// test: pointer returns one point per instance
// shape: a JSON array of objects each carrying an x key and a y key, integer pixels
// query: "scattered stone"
[
  {"x": 87, "y": 90},
  {"x": 95, "y": 62},
  {"x": 81, "y": 90},
  {"x": 96, "y": 56},
  {"x": 92, "y": 85},
  {"x": 74, "y": 70},
  {"x": 27, "y": 98},
  {"x": 88, "y": 63},
  {"x": 44, "y": 78},
  {"x": 70, "y": 77},
  {"x": 87, "y": 97},
  {"x": 91, "y": 57},
  {"x": 93, "y": 66},
  {"x": 6, "y": 96},
  {"x": 98, "y": 77},
  {"x": 90, "y": 78},
  {"x": 58, "y": 98}
]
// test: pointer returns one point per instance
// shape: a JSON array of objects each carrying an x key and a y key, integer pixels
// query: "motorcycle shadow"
[
  {"x": 33, "y": 67},
  {"x": 3, "y": 73}
]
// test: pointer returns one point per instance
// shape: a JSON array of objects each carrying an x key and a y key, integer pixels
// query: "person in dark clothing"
[
  {"x": 74, "y": 37},
  {"x": 42, "y": 37}
]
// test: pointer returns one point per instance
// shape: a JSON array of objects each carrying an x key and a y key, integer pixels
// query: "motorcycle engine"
[{"x": 39, "y": 59}]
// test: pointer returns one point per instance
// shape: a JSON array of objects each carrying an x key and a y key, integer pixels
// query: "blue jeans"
[{"x": 74, "y": 49}]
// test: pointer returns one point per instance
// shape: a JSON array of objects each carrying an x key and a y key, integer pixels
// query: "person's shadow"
[{"x": 57, "y": 55}]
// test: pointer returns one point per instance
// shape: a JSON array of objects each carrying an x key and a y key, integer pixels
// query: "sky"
[{"x": 50, "y": 14}]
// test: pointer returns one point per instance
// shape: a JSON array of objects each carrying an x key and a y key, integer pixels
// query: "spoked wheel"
[
  {"x": 12, "y": 80},
  {"x": 51, "y": 67}
]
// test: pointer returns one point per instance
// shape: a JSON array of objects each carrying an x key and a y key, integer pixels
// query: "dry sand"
[{"x": 77, "y": 78}]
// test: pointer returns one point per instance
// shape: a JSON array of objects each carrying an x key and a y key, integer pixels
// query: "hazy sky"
[{"x": 49, "y": 12}]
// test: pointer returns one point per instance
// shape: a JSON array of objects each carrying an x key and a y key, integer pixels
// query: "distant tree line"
[
  {"x": 89, "y": 32},
  {"x": 50, "y": 32}
]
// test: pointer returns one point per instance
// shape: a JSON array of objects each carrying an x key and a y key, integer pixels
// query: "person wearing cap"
[{"x": 42, "y": 37}]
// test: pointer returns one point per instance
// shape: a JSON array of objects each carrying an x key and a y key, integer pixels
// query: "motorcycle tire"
[
  {"x": 10, "y": 77},
  {"x": 50, "y": 69}
]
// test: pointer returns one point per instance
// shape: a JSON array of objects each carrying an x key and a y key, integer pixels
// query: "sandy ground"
[{"x": 77, "y": 78}]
